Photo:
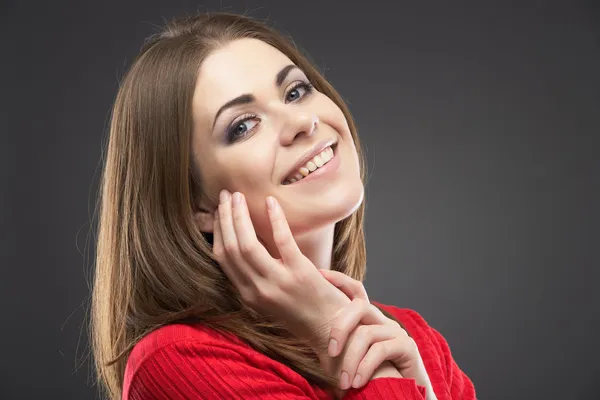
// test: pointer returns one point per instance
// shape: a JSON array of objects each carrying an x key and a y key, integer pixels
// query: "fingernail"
[
  {"x": 356, "y": 382},
  {"x": 237, "y": 198},
  {"x": 344, "y": 384},
  {"x": 224, "y": 196},
  {"x": 271, "y": 203},
  {"x": 332, "y": 349}
]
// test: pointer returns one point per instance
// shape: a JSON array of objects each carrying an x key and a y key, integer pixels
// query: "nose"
[{"x": 299, "y": 124}]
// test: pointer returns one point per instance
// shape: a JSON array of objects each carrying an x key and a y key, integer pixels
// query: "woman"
[{"x": 231, "y": 249}]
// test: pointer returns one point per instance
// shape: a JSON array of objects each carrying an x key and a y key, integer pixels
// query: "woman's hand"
[
  {"x": 289, "y": 289},
  {"x": 375, "y": 340}
]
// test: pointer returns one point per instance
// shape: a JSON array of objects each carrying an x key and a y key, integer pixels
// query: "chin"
[
  {"x": 347, "y": 203},
  {"x": 331, "y": 207}
]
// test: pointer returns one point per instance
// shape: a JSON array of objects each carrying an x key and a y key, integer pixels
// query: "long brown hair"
[{"x": 153, "y": 267}]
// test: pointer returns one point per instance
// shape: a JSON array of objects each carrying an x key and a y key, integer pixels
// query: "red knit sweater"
[{"x": 194, "y": 362}]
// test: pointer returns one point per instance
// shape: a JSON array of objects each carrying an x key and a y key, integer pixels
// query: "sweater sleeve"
[
  {"x": 191, "y": 370},
  {"x": 388, "y": 389}
]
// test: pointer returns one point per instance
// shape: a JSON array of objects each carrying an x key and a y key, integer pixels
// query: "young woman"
[{"x": 231, "y": 249}]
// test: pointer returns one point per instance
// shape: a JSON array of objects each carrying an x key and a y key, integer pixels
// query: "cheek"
[
  {"x": 248, "y": 169},
  {"x": 259, "y": 215},
  {"x": 250, "y": 173},
  {"x": 241, "y": 169}
]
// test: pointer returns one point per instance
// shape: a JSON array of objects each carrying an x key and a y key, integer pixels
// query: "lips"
[{"x": 322, "y": 151}]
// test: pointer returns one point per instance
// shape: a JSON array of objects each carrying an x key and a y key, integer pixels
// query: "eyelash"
[{"x": 308, "y": 87}]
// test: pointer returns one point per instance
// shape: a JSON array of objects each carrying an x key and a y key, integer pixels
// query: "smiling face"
[{"x": 258, "y": 123}]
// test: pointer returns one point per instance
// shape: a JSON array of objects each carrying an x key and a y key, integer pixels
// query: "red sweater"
[{"x": 194, "y": 362}]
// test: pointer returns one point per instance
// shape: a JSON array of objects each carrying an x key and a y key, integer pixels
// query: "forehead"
[{"x": 241, "y": 66}]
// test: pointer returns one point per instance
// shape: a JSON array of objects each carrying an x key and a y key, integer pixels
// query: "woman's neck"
[{"x": 317, "y": 246}]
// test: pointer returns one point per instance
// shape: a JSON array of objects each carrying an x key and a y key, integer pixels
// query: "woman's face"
[{"x": 257, "y": 121}]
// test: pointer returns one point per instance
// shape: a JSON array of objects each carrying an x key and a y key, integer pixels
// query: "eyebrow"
[{"x": 249, "y": 98}]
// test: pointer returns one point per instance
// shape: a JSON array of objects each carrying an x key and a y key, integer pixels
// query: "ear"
[{"x": 204, "y": 217}]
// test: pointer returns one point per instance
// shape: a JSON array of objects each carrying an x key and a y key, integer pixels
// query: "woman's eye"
[
  {"x": 299, "y": 91},
  {"x": 240, "y": 129}
]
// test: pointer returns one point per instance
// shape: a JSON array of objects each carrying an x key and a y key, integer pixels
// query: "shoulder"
[
  {"x": 182, "y": 360},
  {"x": 176, "y": 344},
  {"x": 430, "y": 342},
  {"x": 413, "y": 322},
  {"x": 446, "y": 376},
  {"x": 176, "y": 335}
]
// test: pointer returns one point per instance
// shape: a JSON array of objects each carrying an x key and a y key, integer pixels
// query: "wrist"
[{"x": 332, "y": 366}]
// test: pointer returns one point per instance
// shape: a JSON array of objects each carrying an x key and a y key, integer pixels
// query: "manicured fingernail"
[
  {"x": 237, "y": 198},
  {"x": 224, "y": 196},
  {"x": 271, "y": 203},
  {"x": 344, "y": 381},
  {"x": 356, "y": 382},
  {"x": 332, "y": 349}
]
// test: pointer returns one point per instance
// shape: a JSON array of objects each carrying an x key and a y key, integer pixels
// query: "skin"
[
  {"x": 289, "y": 122},
  {"x": 270, "y": 252}
]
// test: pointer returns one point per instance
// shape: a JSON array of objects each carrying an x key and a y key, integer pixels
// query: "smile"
[{"x": 317, "y": 163}]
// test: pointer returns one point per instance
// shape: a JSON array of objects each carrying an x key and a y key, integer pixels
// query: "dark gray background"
[{"x": 481, "y": 124}]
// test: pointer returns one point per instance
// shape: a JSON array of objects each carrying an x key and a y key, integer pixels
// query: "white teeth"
[{"x": 318, "y": 161}]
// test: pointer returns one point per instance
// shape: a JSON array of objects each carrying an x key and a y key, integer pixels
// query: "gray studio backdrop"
[{"x": 481, "y": 126}]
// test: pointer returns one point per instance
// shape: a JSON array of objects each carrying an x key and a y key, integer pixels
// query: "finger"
[
  {"x": 249, "y": 246},
  {"x": 238, "y": 268},
  {"x": 359, "y": 342},
  {"x": 350, "y": 287},
  {"x": 218, "y": 250},
  {"x": 229, "y": 237},
  {"x": 282, "y": 235},
  {"x": 219, "y": 253},
  {"x": 378, "y": 353},
  {"x": 358, "y": 311}
]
